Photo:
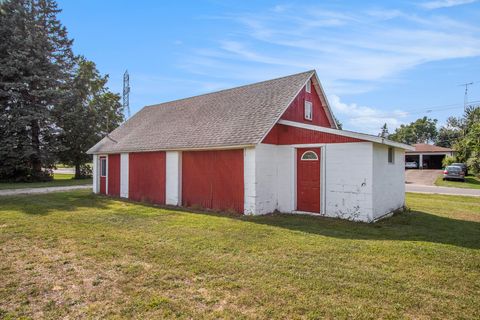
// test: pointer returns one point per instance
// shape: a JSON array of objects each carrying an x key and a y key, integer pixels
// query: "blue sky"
[{"x": 379, "y": 61}]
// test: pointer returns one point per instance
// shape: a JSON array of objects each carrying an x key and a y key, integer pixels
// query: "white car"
[{"x": 411, "y": 165}]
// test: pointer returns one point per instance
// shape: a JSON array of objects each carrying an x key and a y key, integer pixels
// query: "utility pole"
[
  {"x": 126, "y": 94},
  {"x": 465, "y": 99}
]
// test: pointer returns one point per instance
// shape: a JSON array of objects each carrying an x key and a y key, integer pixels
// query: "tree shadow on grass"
[{"x": 42, "y": 204}]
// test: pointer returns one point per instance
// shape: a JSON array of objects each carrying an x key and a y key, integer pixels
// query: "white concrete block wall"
[
  {"x": 388, "y": 181},
  {"x": 266, "y": 173},
  {"x": 348, "y": 180},
  {"x": 124, "y": 175},
  {"x": 286, "y": 178},
  {"x": 173, "y": 190},
  {"x": 96, "y": 175},
  {"x": 249, "y": 177}
]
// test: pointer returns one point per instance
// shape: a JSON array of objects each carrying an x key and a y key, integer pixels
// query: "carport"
[{"x": 428, "y": 156}]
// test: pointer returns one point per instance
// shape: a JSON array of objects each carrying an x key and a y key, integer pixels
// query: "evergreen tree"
[
  {"x": 35, "y": 64},
  {"x": 384, "y": 133},
  {"x": 88, "y": 112}
]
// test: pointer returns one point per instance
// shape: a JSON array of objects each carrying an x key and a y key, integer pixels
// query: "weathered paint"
[
  {"x": 388, "y": 194},
  {"x": 286, "y": 135},
  {"x": 213, "y": 179},
  {"x": 308, "y": 181},
  {"x": 295, "y": 111},
  {"x": 249, "y": 177},
  {"x": 113, "y": 175},
  {"x": 102, "y": 179},
  {"x": 146, "y": 181}
]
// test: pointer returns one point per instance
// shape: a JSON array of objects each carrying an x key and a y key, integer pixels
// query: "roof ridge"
[{"x": 228, "y": 89}]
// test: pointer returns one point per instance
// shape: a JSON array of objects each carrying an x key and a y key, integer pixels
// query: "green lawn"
[
  {"x": 59, "y": 180},
  {"x": 471, "y": 182},
  {"x": 78, "y": 255}
]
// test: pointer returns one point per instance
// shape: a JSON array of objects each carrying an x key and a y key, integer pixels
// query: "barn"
[{"x": 255, "y": 149}]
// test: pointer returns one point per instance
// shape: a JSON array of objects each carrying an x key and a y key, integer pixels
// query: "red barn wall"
[
  {"x": 282, "y": 134},
  {"x": 146, "y": 176},
  {"x": 213, "y": 179},
  {"x": 295, "y": 112},
  {"x": 113, "y": 175}
]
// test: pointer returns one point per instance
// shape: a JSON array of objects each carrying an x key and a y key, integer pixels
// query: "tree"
[
  {"x": 468, "y": 145},
  {"x": 35, "y": 64},
  {"x": 339, "y": 124},
  {"x": 384, "y": 133},
  {"x": 423, "y": 130},
  {"x": 88, "y": 112},
  {"x": 449, "y": 134}
]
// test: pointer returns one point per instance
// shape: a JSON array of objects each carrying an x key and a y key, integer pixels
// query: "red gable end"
[
  {"x": 296, "y": 110},
  {"x": 281, "y": 134}
]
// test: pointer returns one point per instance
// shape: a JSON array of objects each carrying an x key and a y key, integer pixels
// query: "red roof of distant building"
[{"x": 424, "y": 147}]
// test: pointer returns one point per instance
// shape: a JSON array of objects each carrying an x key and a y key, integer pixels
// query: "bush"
[{"x": 448, "y": 160}]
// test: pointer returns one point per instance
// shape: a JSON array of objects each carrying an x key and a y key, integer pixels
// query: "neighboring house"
[
  {"x": 428, "y": 156},
  {"x": 255, "y": 149}
]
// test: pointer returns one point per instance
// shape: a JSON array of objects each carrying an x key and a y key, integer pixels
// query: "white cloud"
[
  {"x": 351, "y": 51},
  {"x": 445, "y": 3},
  {"x": 364, "y": 119}
]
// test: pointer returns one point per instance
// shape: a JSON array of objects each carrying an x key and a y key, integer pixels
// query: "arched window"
[{"x": 309, "y": 156}]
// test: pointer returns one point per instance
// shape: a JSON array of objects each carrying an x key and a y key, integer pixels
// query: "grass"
[
  {"x": 59, "y": 180},
  {"x": 77, "y": 255},
  {"x": 471, "y": 182}
]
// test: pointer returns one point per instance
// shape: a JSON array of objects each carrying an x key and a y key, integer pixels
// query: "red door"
[
  {"x": 103, "y": 174},
  {"x": 114, "y": 175},
  {"x": 308, "y": 179},
  {"x": 213, "y": 179},
  {"x": 146, "y": 176}
]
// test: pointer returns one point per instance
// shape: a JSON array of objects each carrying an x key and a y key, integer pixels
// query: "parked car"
[
  {"x": 411, "y": 165},
  {"x": 454, "y": 173},
  {"x": 462, "y": 165}
]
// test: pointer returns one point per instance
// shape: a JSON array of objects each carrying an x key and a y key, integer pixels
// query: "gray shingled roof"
[{"x": 234, "y": 117}]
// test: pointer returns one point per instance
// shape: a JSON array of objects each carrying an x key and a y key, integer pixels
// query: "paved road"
[
  {"x": 442, "y": 190},
  {"x": 9, "y": 192},
  {"x": 64, "y": 170}
]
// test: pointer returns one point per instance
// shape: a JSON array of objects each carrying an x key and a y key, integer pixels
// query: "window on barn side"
[
  {"x": 103, "y": 167},
  {"x": 391, "y": 154},
  {"x": 309, "y": 156},
  {"x": 308, "y": 87},
  {"x": 308, "y": 110}
]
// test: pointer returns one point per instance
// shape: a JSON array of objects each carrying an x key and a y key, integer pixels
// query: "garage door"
[
  {"x": 146, "y": 177},
  {"x": 114, "y": 175},
  {"x": 213, "y": 179}
]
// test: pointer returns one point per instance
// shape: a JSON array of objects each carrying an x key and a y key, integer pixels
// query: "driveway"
[
  {"x": 10, "y": 192},
  {"x": 425, "y": 177}
]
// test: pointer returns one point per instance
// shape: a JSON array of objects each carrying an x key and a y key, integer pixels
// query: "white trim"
[
  {"x": 95, "y": 174},
  {"x": 176, "y": 149},
  {"x": 100, "y": 158},
  {"x": 345, "y": 133},
  {"x": 328, "y": 109},
  {"x": 316, "y": 156},
  {"x": 308, "y": 86},
  {"x": 249, "y": 181},
  {"x": 173, "y": 178},
  {"x": 310, "y": 105},
  {"x": 106, "y": 177},
  {"x": 124, "y": 167}
]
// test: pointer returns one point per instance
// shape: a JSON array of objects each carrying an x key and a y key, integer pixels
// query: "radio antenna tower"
[
  {"x": 126, "y": 94},
  {"x": 465, "y": 99}
]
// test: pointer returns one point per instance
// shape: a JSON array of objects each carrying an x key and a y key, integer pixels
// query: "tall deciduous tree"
[
  {"x": 35, "y": 64},
  {"x": 88, "y": 112},
  {"x": 423, "y": 130}
]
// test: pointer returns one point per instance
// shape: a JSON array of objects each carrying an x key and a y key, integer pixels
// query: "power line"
[
  {"x": 421, "y": 111},
  {"x": 465, "y": 98}
]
